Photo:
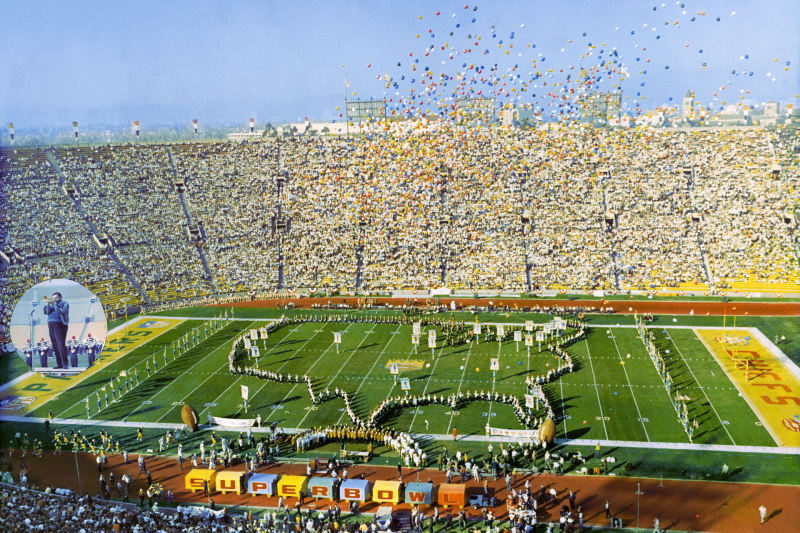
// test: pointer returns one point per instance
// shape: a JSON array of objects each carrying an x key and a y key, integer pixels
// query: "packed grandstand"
[{"x": 578, "y": 208}]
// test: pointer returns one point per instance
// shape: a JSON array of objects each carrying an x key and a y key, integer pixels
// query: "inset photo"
[{"x": 59, "y": 327}]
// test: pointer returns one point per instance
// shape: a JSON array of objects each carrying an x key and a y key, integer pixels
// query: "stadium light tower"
[
  {"x": 194, "y": 123},
  {"x": 136, "y": 128},
  {"x": 252, "y": 124},
  {"x": 75, "y": 128},
  {"x": 11, "y": 131}
]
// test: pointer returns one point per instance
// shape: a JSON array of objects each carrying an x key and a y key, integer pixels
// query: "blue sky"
[{"x": 169, "y": 62}]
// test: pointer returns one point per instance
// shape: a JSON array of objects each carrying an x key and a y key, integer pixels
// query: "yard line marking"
[
  {"x": 701, "y": 388},
  {"x": 165, "y": 387},
  {"x": 491, "y": 394},
  {"x": 115, "y": 371},
  {"x": 641, "y": 419},
  {"x": 265, "y": 381},
  {"x": 596, "y": 390},
  {"x": 368, "y": 373},
  {"x": 466, "y": 365},
  {"x": 312, "y": 366},
  {"x": 416, "y": 411},
  {"x": 563, "y": 411},
  {"x": 300, "y": 424}
]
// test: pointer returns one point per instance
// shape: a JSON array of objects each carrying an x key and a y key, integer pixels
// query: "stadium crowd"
[{"x": 568, "y": 208}]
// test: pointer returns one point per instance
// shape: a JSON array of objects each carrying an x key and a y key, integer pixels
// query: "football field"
[{"x": 609, "y": 396}]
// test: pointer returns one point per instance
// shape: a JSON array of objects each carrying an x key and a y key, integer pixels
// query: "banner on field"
[
  {"x": 476, "y": 329},
  {"x": 528, "y": 340},
  {"x": 394, "y": 368},
  {"x": 414, "y": 339},
  {"x": 247, "y": 343},
  {"x": 337, "y": 337},
  {"x": 254, "y": 352},
  {"x": 494, "y": 364},
  {"x": 529, "y": 325},
  {"x": 254, "y": 334},
  {"x": 501, "y": 330},
  {"x": 517, "y": 336},
  {"x": 529, "y": 401},
  {"x": 405, "y": 383},
  {"x": 245, "y": 392},
  {"x": 520, "y": 433},
  {"x": 540, "y": 336},
  {"x": 431, "y": 334},
  {"x": 547, "y": 329},
  {"x": 416, "y": 329},
  {"x": 431, "y": 342},
  {"x": 235, "y": 423}
]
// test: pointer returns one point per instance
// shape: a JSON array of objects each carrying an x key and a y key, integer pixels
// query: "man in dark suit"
[{"x": 57, "y": 311}]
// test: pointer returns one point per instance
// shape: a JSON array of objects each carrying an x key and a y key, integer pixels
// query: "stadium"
[{"x": 421, "y": 316}]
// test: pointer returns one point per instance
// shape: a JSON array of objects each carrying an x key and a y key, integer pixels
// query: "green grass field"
[{"x": 601, "y": 400}]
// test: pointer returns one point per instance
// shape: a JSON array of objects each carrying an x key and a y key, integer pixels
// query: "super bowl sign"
[
  {"x": 733, "y": 339},
  {"x": 16, "y": 402},
  {"x": 155, "y": 324}
]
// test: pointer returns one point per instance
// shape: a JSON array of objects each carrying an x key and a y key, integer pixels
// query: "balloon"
[
  {"x": 632, "y": 33},
  {"x": 584, "y": 34},
  {"x": 717, "y": 19}
]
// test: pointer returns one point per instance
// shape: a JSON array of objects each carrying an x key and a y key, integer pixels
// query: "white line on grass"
[
  {"x": 427, "y": 383},
  {"x": 614, "y": 338},
  {"x": 237, "y": 380},
  {"x": 466, "y": 365},
  {"x": 368, "y": 373},
  {"x": 741, "y": 392},
  {"x": 701, "y": 388},
  {"x": 312, "y": 366},
  {"x": 165, "y": 387},
  {"x": 353, "y": 352},
  {"x": 266, "y": 381},
  {"x": 491, "y": 394},
  {"x": 107, "y": 367},
  {"x": 306, "y": 372},
  {"x": 596, "y": 390}
]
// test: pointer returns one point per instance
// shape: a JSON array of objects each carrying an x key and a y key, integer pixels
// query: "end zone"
[
  {"x": 35, "y": 390},
  {"x": 765, "y": 377}
]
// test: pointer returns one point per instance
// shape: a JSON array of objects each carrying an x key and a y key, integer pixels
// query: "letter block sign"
[
  {"x": 263, "y": 484},
  {"x": 194, "y": 479},
  {"x": 290, "y": 486},
  {"x": 386, "y": 492},
  {"x": 354, "y": 489}
]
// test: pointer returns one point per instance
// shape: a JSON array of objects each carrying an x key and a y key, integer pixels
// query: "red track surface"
[
  {"x": 683, "y": 505},
  {"x": 639, "y": 305}
]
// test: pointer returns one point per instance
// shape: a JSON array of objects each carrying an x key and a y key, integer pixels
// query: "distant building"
[
  {"x": 686, "y": 110},
  {"x": 770, "y": 116},
  {"x": 246, "y": 136}
]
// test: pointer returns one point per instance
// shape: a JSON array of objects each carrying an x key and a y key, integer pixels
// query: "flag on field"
[{"x": 245, "y": 392}]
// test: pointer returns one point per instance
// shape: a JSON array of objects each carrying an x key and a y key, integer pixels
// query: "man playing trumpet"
[{"x": 57, "y": 311}]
